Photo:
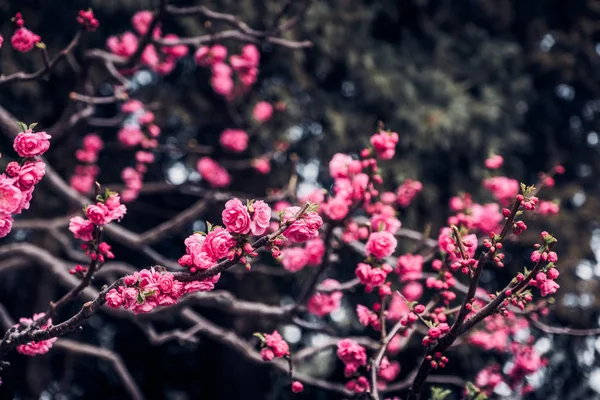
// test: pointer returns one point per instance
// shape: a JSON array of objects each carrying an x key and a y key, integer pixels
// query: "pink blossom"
[
  {"x": 150, "y": 57},
  {"x": 488, "y": 378},
  {"x": 1, "y": 41},
  {"x": 114, "y": 299},
  {"x": 98, "y": 213},
  {"x": 338, "y": 166},
  {"x": 141, "y": 21},
  {"x": 13, "y": 168},
  {"x": 409, "y": 267},
  {"x": 364, "y": 315},
  {"x": 23, "y": 40},
  {"x": 235, "y": 140},
  {"x": 267, "y": 354},
  {"x": 262, "y": 111},
  {"x": 261, "y": 217},
  {"x": 31, "y": 144},
  {"x": 10, "y": 196},
  {"x": 317, "y": 196},
  {"x": 381, "y": 244},
  {"x": 412, "y": 291},
  {"x": 321, "y": 304},
  {"x": 5, "y": 224},
  {"x": 494, "y": 162},
  {"x": 214, "y": 174},
  {"x": 503, "y": 188},
  {"x": 176, "y": 51},
  {"x": 359, "y": 385},
  {"x": 297, "y": 387},
  {"x": 388, "y": 371},
  {"x": 336, "y": 208},
  {"x": 222, "y": 84},
  {"x": 363, "y": 273},
  {"x": 132, "y": 106},
  {"x": 165, "y": 283},
  {"x": 388, "y": 198},
  {"x": 387, "y": 223},
  {"x": 407, "y": 191},
  {"x": 82, "y": 229},
  {"x": 548, "y": 287},
  {"x": 305, "y": 228},
  {"x": 36, "y": 348},
  {"x": 205, "y": 56},
  {"x": 124, "y": 46},
  {"x": 351, "y": 354},
  {"x": 294, "y": 259},
  {"x": 262, "y": 165},
  {"x": 275, "y": 342},
  {"x": 384, "y": 143},
  {"x": 548, "y": 208},
  {"x": 236, "y": 218},
  {"x": 315, "y": 249},
  {"x": 218, "y": 243},
  {"x": 397, "y": 308},
  {"x": 130, "y": 136},
  {"x": 486, "y": 218},
  {"x": 30, "y": 174}
]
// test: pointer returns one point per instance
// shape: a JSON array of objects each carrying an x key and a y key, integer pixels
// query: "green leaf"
[
  {"x": 260, "y": 336},
  {"x": 200, "y": 233},
  {"x": 209, "y": 226},
  {"x": 523, "y": 188},
  {"x": 140, "y": 297},
  {"x": 33, "y": 125},
  {"x": 22, "y": 126},
  {"x": 439, "y": 393}
]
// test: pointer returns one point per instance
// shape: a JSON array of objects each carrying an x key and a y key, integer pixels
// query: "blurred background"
[{"x": 458, "y": 80}]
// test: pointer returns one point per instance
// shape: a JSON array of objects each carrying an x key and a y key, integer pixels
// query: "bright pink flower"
[
  {"x": 321, "y": 304},
  {"x": 267, "y": 354},
  {"x": 494, "y": 162},
  {"x": 262, "y": 165},
  {"x": 297, "y": 387},
  {"x": 124, "y": 46},
  {"x": 132, "y": 106},
  {"x": 351, "y": 354},
  {"x": 381, "y": 244},
  {"x": 98, "y": 213},
  {"x": 5, "y": 224},
  {"x": 303, "y": 229},
  {"x": 130, "y": 136},
  {"x": 114, "y": 299},
  {"x": 93, "y": 143},
  {"x": 205, "y": 56},
  {"x": 336, "y": 208},
  {"x": 503, "y": 188},
  {"x": 384, "y": 143},
  {"x": 176, "y": 51},
  {"x": 397, "y": 309},
  {"x": 81, "y": 228},
  {"x": 275, "y": 342},
  {"x": 294, "y": 259},
  {"x": 261, "y": 217},
  {"x": 218, "y": 243},
  {"x": 548, "y": 208},
  {"x": 388, "y": 371},
  {"x": 13, "y": 168},
  {"x": 486, "y": 218},
  {"x": 30, "y": 174},
  {"x": 548, "y": 287},
  {"x": 10, "y": 196},
  {"x": 1, "y": 41},
  {"x": 150, "y": 57},
  {"x": 338, "y": 166},
  {"x": 234, "y": 140},
  {"x": 23, "y": 40},
  {"x": 222, "y": 84},
  {"x": 364, "y": 315},
  {"x": 388, "y": 198},
  {"x": 141, "y": 21},
  {"x": 315, "y": 249},
  {"x": 214, "y": 174},
  {"x": 262, "y": 111},
  {"x": 359, "y": 385},
  {"x": 31, "y": 144},
  {"x": 236, "y": 218},
  {"x": 552, "y": 273},
  {"x": 363, "y": 273},
  {"x": 165, "y": 283}
]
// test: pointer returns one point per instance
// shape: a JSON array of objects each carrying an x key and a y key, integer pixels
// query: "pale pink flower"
[
  {"x": 31, "y": 144},
  {"x": 262, "y": 111},
  {"x": 294, "y": 259},
  {"x": 321, "y": 304},
  {"x": 262, "y": 165},
  {"x": 234, "y": 140},
  {"x": 409, "y": 267},
  {"x": 303, "y": 229},
  {"x": 381, "y": 244},
  {"x": 82, "y": 229},
  {"x": 494, "y": 162},
  {"x": 5, "y": 224},
  {"x": 336, "y": 208},
  {"x": 388, "y": 223},
  {"x": 407, "y": 191},
  {"x": 412, "y": 291},
  {"x": 503, "y": 188},
  {"x": 338, "y": 166},
  {"x": 124, "y": 46},
  {"x": 130, "y": 136}
]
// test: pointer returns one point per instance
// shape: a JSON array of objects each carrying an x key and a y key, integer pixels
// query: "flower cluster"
[
  {"x": 213, "y": 173},
  {"x": 273, "y": 346},
  {"x": 36, "y": 348},
  {"x": 161, "y": 59},
  {"x": 147, "y": 289},
  {"x": 407, "y": 192},
  {"x": 108, "y": 208},
  {"x": 384, "y": 143},
  {"x": 87, "y": 20},
  {"x": 18, "y": 183},
  {"x": 322, "y": 304},
  {"x": 143, "y": 133},
  {"x": 23, "y": 39},
  {"x": 352, "y": 354},
  {"x": 245, "y": 65},
  {"x": 85, "y": 173},
  {"x": 234, "y": 140}
]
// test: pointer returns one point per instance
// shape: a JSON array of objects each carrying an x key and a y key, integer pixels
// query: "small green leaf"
[
  {"x": 22, "y": 126},
  {"x": 33, "y": 125},
  {"x": 439, "y": 393},
  {"x": 209, "y": 226},
  {"x": 140, "y": 297},
  {"x": 260, "y": 336}
]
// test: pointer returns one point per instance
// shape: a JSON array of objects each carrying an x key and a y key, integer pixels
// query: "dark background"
[{"x": 456, "y": 79}]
